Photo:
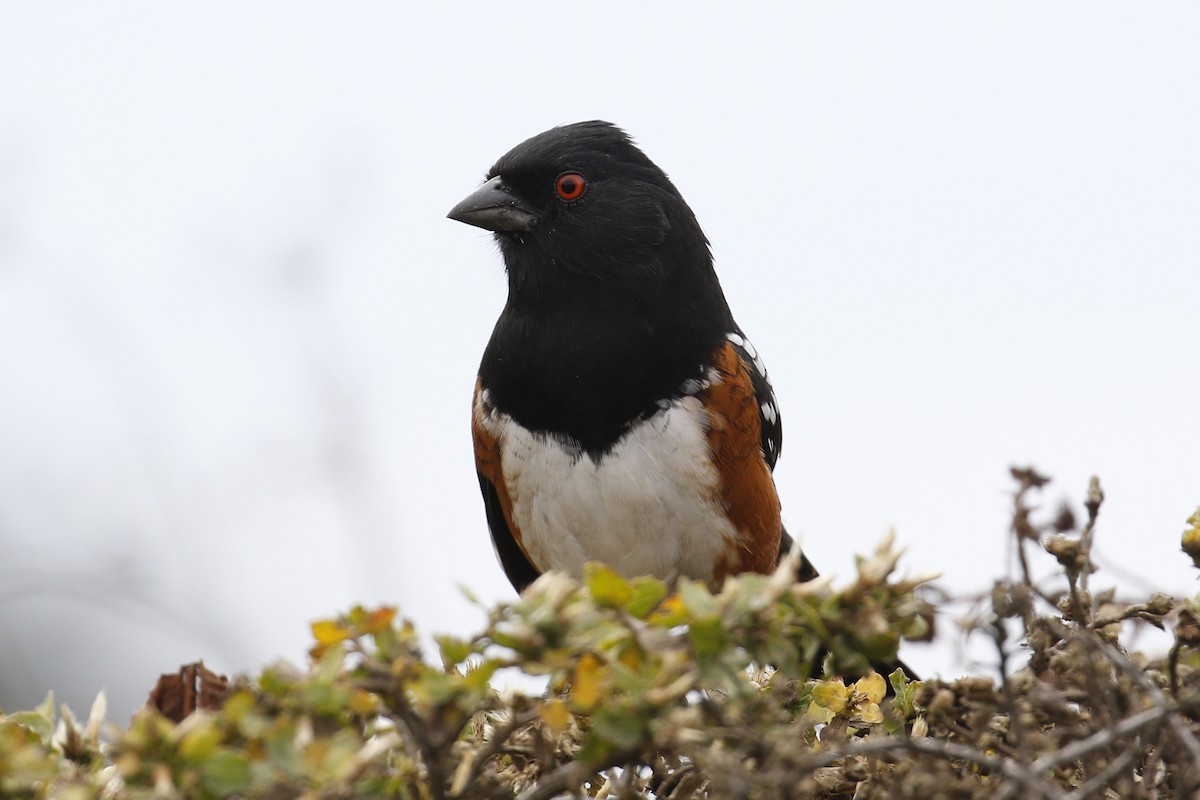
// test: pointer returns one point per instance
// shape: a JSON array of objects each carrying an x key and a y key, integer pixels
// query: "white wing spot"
[
  {"x": 769, "y": 413},
  {"x": 744, "y": 343}
]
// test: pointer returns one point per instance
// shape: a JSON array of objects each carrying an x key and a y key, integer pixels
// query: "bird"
[{"x": 620, "y": 414}]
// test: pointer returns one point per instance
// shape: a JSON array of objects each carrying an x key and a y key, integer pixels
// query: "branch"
[
  {"x": 1109, "y": 736},
  {"x": 1101, "y": 779},
  {"x": 1026, "y": 775},
  {"x": 496, "y": 745},
  {"x": 571, "y": 774}
]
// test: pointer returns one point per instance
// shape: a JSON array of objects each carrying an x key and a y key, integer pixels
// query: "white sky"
[{"x": 238, "y": 337}]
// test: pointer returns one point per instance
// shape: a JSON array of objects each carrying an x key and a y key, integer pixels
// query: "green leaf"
[
  {"x": 623, "y": 727},
  {"x": 608, "y": 589},
  {"x": 330, "y": 664},
  {"x": 438, "y": 688},
  {"x": 454, "y": 650},
  {"x": 697, "y": 598},
  {"x": 479, "y": 676},
  {"x": 275, "y": 681},
  {"x": 595, "y": 750},
  {"x": 905, "y": 691},
  {"x": 283, "y": 751},
  {"x": 40, "y": 720},
  {"x": 707, "y": 636},
  {"x": 225, "y": 773},
  {"x": 646, "y": 595},
  {"x": 201, "y": 740}
]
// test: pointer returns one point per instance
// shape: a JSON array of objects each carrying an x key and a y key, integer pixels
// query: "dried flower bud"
[
  {"x": 1095, "y": 496},
  {"x": 1010, "y": 599},
  {"x": 855, "y": 769},
  {"x": 1029, "y": 477},
  {"x": 1067, "y": 550},
  {"x": 1187, "y": 628},
  {"x": 1065, "y": 519},
  {"x": 942, "y": 704},
  {"x": 1040, "y": 640},
  {"x": 1066, "y": 605},
  {"x": 1160, "y": 604}
]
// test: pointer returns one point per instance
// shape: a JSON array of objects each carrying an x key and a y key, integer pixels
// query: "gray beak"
[{"x": 494, "y": 208}]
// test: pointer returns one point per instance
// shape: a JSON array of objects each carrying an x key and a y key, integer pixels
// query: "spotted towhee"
[{"x": 620, "y": 415}]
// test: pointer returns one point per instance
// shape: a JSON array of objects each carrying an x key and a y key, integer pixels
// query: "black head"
[
  {"x": 613, "y": 304},
  {"x": 580, "y": 211}
]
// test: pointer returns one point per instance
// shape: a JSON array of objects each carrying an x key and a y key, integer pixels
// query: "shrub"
[{"x": 648, "y": 691}]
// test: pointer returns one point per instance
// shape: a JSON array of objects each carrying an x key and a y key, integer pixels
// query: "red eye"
[{"x": 570, "y": 186}]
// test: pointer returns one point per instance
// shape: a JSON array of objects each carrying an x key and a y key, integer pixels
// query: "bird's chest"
[{"x": 649, "y": 505}]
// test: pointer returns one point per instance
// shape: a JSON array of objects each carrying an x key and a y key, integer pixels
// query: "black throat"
[{"x": 585, "y": 362}]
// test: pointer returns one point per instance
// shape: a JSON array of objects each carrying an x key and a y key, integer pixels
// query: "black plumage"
[{"x": 613, "y": 302}]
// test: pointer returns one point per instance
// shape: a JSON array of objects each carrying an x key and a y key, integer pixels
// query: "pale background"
[{"x": 238, "y": 337}]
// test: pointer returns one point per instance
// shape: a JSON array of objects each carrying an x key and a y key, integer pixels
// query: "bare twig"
[
  {"x": 570, "y": 775},
  {"x": 1101, "y": 779},
  {"x": 1026, "y": 775},
  {"x": 625, "y": 789},
  {"x": 1095, "y": 496},
  {"x": 1109, "y": 736},
  {"x": 1177, "y": 725},
  {"x": 1016, "y": 725},
  {"x": 498, "y": 741}
]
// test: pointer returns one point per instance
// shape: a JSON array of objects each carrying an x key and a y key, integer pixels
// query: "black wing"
[
  {"x": 516, "y": 566},
  {"x": 488, "y": 468}
]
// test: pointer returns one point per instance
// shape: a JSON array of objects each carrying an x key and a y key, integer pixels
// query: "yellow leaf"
[
  {"x": 1191, "y": 538},
  {"x": 586, "y": 684},
  {"x": 818, "y": 714},
  {"x": 363, "y": 703},
  {"x": 872, "y": 686},
  {"x": 833, "y": 695},
  {"x": 238, "y": 705},
  {"x": 632, "y": 657},
  {"x": 556, "y": 716},
  {"x": 670, "y": 612},
  {"x": 328, "y": 631},
  {"x": 201, "y": 740},
  {"x": 380, "y": 619},
  {"x": 607, "y": 587},
  {"x": 865, "y": 696},
  {"x": 869, "y": 712},
  {"x": 647, "y": 593}
]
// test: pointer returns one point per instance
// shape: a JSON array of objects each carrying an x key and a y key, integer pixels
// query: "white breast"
[{"x": 647, "y": 507}]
